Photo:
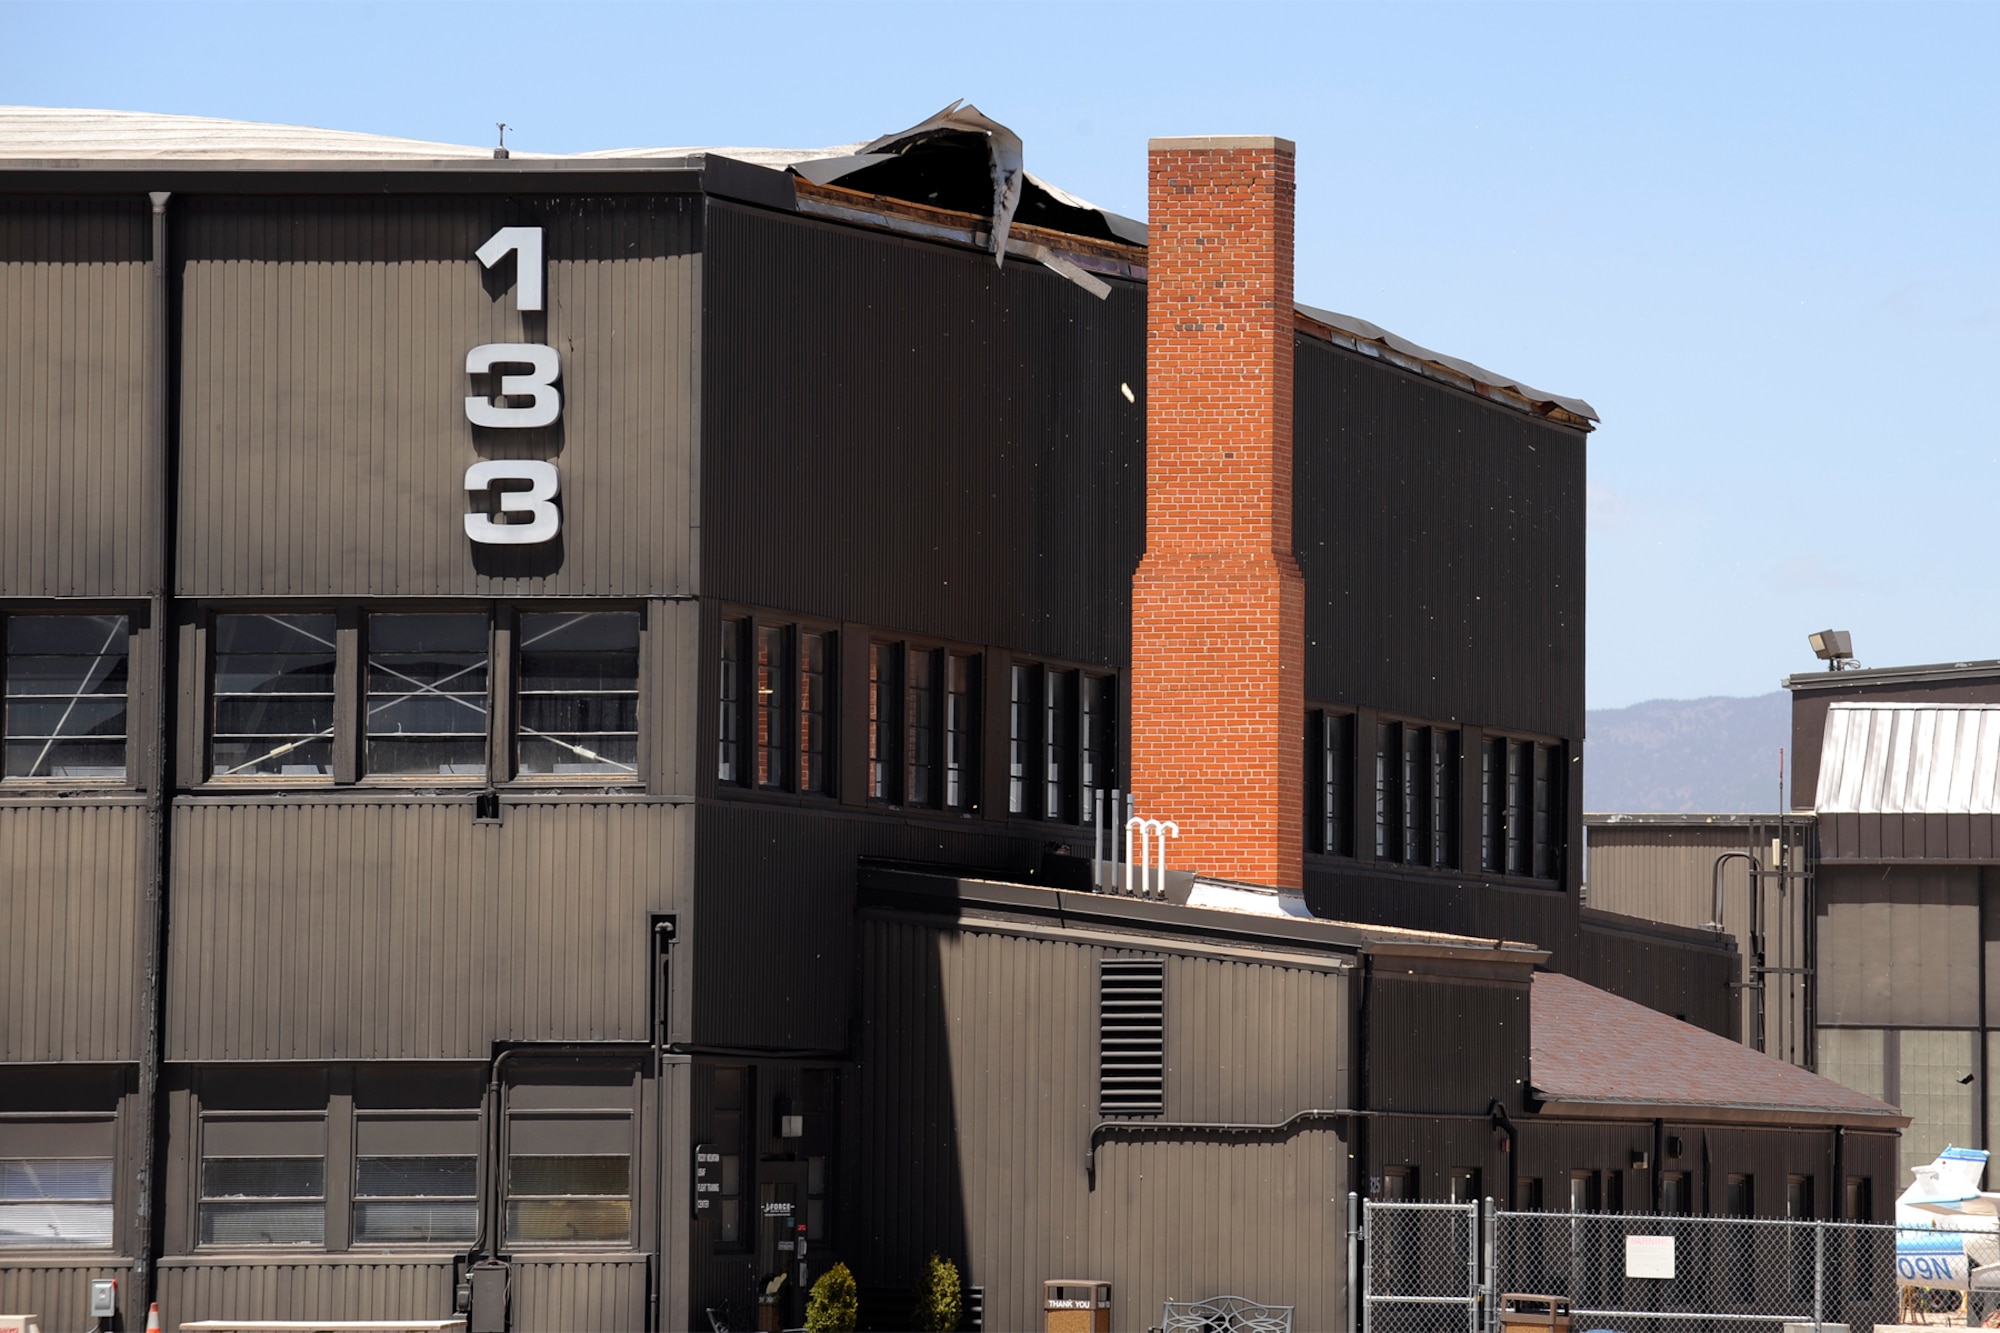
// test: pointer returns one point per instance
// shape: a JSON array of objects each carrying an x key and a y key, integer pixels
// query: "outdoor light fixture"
[{"x": 1832, "y": 646}]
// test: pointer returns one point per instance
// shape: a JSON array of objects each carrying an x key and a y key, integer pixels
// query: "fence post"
[
  {"x": 1472, "y": 1268},
  {"x": 1491, "y": 1285},
  {"x": 1819, "y": 1276},
  {"x": 1353, "y": 1238}
]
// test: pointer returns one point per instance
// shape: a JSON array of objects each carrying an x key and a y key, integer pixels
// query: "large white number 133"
[{"x": 544, "y": 408}]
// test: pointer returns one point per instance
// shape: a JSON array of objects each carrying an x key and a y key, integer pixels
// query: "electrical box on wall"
[
  {"x": 103, "y": 1298},
  {"x": 489, "y": 1298}
]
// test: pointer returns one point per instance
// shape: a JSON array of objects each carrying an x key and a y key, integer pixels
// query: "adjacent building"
[{"x": 559, "y": 712}]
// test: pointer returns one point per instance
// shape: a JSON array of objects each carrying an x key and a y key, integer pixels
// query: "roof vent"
[{"x": 1131, "y": 1036}]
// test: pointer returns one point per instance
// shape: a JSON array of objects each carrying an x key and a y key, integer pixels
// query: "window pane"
[
  {"x": 1058, "y": 707},
  {"x": 812, "y": 712},
  {"x": 70, "y": 1179},
  {"x": 1416, "y": 802},
  {"x": 579, "y": 694},
  {"x": 922, "y": 720},
  {"x": 728, "y": 760},
  {"x": 65, "y": 697},
  {"x": 415, "y": 1221},
  {"x": 961, "y": 790},
  {"x": 273, "y": 696},
  {"x": 729, "y": 1222},
  {"x": 1100, "y": 738},
  {"x": 55, "y": 1225},
  {"x": 263, "y": 1177},
  {"x": 884, "y": 699},
  {"x": 414, "y": 1177},
  {"x": 1444, "y": 798},
  {"x": 1020, "y": 701},
  {"x": 769, "y": 710},
  {"x": 427, "y": 684},
  {"x": 569, "y": 1175},
  {"x": 263, "y": 1223},
  {"x": 1388, "y": 792},
  {"x": 569, "y": 1219}
]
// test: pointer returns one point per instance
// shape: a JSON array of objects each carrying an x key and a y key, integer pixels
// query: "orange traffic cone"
[{"x": 153, "y": 1319}]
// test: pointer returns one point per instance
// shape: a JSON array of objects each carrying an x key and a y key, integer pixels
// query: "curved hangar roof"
[{"x": 957, "y": 160}]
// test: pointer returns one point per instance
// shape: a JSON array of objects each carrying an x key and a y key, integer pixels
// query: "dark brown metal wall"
[
  {"x": 1442, "y": 543},
  {"x": 1466, "y": 905},
  {"x": 72, "y": 878},
  {"x": 385, "y": 929},
  {"x": 76, "y": 385},
  {"x": 1875, "y": 838},
  {"x": 1690, "y": 979},
  {"x": 772, "y": 946},
  {"x": 302, "y": 1287},
  {"x": 59, "y": 1289},
  {"x": 323, "y": 439},
  {"x": 1438, "y": 1044},
  {"x": 976, "y": 1094},
  {"x": 902, "y": 435}
]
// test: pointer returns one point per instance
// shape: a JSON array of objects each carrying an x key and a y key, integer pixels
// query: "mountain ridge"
[{"x": 1715, "y": 755}]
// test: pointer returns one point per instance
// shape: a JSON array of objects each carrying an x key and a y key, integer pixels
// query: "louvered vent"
[{"x": 1131, "y": 1037}]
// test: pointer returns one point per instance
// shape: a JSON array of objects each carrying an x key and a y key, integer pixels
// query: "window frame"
[
  {"x": 1057, "y": 739},
  {"x": 500, "y": 1173},
  {"x": 1523, "y": 808},
  {"x": 791, "y": 746},
  {"x": 61, "y": 1125},
  {"x": 349, "y": 741},
  {"x": 137, "y": 696}
]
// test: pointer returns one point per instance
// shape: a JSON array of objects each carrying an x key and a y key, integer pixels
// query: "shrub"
[
  {"x": 936, "y": 1304},
  {"x": 834, "y": 1305}
]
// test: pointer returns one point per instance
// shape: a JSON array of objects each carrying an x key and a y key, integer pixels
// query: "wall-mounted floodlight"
[{"x": 1832, "y": 646}]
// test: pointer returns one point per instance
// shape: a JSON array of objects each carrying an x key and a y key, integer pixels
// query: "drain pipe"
[{"x": 158, "y": 809}]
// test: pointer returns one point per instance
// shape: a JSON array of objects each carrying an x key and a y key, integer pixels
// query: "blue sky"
[{"x": 1761, "y": 239}]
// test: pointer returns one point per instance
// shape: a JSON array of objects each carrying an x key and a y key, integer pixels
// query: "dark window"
[
  {"x": 1528, "y": 1193},
  {"x": 961, "y": 729},
  {"x": 1059, "y": 696},
  {"x": 263, "y": 1180},
  {"x": 1399, "y": 1184},
  {"x": 885, "y": 701},
  {"x": 568, "y": 1175},
  {"x": 1739, "y": 1198},
  {"x": 1674, "y": 1193},
  {"x": 729, "y": 725},
  {"x": 1444, "y": 798},
  {"x": 812, "y": 711},
  {"x": 1099, "y": 726},
  {"x": 273, "y": 696},
  {"x": 1330, "y": 791},
  {"x": 1614, "y": 1191},
  {"x": 1131, "y": 1036},
  {"x": 1522, "y": 810},
  {"x": 816, "y": 1192},
  {"x": 579, "y": 691},
  {"x": 1583, "y": 1195},
  {"x": 1388, "y": 791},
  {"x": 1860, "y": 1199},
  {"x": 1023, "y": 737},
  {"x": 1464, "y": 1185},
  {"x": 427, "y": 690},
  {"x": 66, "y": 681},
  {"x": 772, "y": 690},
  {"x": 416, "y": 1178},
  {"x": 1416, "y": 791},
  {"x": 729, "y": 1126},
  {"x": 925, "y": 695},
  {"x": 1416, "y": 796}
]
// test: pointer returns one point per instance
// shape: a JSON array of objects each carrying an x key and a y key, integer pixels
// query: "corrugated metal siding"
[
  {"x": 59, "y": 1292},
  {"x": 1437, "y": 1045},
  {"x": 1906, "y": 758},
  {"x": 902, "y": 435},
  {"x": 76, "y": 387},
  {"x": 402, "y": 930},
  {"x": 1690, "y": 981},
  {"x": 1442, "y": 543},
  {"x": 324, "y": 440},
  {"x": 1899, "y": 947},
  {"x": 977, "y": 1091},
  {"x": 299, "y": 1287},
  {"x": 579, "y": 1295},
  {"x": 1665, "y": 873},
  {"x": 1351, "y": 891},
  {"x": 72, "y": 888},
  {"x": 772, "y": 947}
]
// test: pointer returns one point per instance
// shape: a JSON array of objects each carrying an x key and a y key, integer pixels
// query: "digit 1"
[{"x": 526, "y": 245}]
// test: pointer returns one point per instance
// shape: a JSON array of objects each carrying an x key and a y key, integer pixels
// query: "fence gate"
[{"x": 1420, "y": 1268}]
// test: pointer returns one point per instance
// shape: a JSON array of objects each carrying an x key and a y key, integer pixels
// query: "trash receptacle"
[
  {"x": 1524, "y": 1312},
  {"x": 1076, "y": 1305}
]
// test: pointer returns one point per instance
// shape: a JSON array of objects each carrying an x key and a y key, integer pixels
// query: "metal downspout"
[{"x": 146, "y": 1184}]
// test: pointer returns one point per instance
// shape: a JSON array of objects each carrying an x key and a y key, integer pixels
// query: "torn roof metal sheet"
[
  {"x": 1590, "y": 1048},
  {"x": 1910, "y": 759},
  {"x": 1363, "y": 331},
  {"x": 959, "y": 159}
]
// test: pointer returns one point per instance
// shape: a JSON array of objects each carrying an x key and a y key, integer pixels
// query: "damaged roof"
[
  {"x": 958, "y": 162},
  {"x": 1590, "y": 1050}
]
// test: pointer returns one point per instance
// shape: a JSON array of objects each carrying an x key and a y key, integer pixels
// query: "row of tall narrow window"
[
  {"x": 777, "y": 723},
  {"x": 424, "y": 686},
  {"x": 1410, "y": 776}
]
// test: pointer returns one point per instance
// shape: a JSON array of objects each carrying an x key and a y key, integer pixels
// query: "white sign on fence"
[{"x": 1649, "y": 1256}]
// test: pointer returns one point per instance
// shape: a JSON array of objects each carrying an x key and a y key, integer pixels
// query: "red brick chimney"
[{"x": 1218, "y": 603}]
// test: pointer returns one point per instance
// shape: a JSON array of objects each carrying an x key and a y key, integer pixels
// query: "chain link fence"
[{"x": 1450, "y": 1268}]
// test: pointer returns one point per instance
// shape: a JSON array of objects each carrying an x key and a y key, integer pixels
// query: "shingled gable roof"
[{"x": 1592, "y": 1053}]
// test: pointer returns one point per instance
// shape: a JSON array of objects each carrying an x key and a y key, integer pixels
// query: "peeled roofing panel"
[{"x": 1356, "y": 327}]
